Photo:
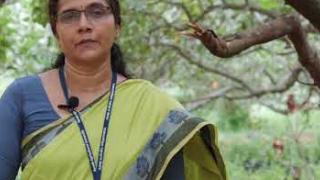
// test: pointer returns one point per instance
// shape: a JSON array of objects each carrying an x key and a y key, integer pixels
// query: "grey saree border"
[
  {"x": 176, "y": 137},
  {"x": 41, "y": 140},
  {"x": 176, "y": 126}
]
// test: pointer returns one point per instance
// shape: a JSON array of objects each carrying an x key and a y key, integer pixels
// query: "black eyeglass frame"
[{"x": 93, "y": 12}]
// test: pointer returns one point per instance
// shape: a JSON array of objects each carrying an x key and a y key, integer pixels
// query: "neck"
[{"x": 87, "y": 79}]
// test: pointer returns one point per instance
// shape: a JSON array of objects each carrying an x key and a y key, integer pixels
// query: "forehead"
[{"x": 77, "y": 4}]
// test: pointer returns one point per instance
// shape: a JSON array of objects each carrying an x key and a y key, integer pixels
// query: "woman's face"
[{"x": 85, "y": 29}]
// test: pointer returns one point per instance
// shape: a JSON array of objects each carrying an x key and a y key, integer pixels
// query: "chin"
[{"x": 90, "y": 55}]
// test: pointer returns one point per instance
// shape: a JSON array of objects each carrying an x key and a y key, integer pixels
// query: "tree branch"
[
  {"x": 242, "y": 41},
  {"x": 2, "y": 2},
  {"x": 282, "y": 26},
  {"x": 304, "y": 106},
  {"x": 282, "y": 86},
  {"x": 187, "y": 56},
  {"x": 199, "y": 102},
  {"x": 308, "y": 57}
]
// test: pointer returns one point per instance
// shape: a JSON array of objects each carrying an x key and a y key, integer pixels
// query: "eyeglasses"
[{"x": 94, "y": 13}]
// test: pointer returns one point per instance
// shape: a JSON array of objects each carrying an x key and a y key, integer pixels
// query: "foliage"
[
  {"x": 38, "y": 7},
  {"x": 232, "y": 117},
  {"x": 31, "y": 45},
  {"x": 4, "y": 41},
  {"x": 250, "y": 154}
]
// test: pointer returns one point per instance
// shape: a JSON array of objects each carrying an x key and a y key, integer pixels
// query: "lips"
[{"x": 86, "y": 42}]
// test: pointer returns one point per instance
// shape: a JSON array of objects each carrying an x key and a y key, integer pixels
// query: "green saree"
[{"x": 146, "y": 130}]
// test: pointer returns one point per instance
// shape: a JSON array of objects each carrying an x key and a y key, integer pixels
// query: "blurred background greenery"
[{"x": 261, "y": 136}]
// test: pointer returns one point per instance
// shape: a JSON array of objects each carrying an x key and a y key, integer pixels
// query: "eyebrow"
[{"x": 92, "y": 4}]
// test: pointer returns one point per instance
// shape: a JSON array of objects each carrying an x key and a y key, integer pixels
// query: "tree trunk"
[{"x": 310, "y": 9}]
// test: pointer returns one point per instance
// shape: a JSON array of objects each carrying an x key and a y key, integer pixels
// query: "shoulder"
[
  {"x": 16, "y": 92},
  {"x": 17, "y": 86},
  {"x": 32, "y": 83},
  {"x": 151, "y": 94},
  {"x": 141, "y": 85},
  {"x": 13, "y": 97},
  {"x": 24, "y": 84}
]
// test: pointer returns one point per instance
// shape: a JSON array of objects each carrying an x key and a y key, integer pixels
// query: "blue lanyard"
[{"x": 95, "y": 168}]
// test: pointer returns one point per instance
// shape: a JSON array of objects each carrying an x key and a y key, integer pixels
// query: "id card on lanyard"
[{"x": 96, "y": 168}]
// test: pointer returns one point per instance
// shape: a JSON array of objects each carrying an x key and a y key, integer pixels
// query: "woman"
[{"x": 85, "y": 119}]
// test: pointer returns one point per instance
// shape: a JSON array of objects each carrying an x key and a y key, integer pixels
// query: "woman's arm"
[{"x": 10, "y": 132}]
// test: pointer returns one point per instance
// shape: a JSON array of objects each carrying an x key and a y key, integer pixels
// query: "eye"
[
  {"x": 97, "y": 12},
  {"x": 68, "y": 16}
]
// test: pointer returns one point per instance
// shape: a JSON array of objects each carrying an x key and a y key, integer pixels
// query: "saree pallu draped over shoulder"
[{"x": 146, "y": 130}]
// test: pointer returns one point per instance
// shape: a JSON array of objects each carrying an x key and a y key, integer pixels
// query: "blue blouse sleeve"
[
  {"x": 10, "y": 131},
  {"x": 175, "y": 169}
]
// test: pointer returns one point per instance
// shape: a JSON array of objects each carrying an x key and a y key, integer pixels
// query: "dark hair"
[{"x": 117, "y": 63}]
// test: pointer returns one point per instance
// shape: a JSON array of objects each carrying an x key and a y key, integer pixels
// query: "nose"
[{"x": 85, "y": 24}]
